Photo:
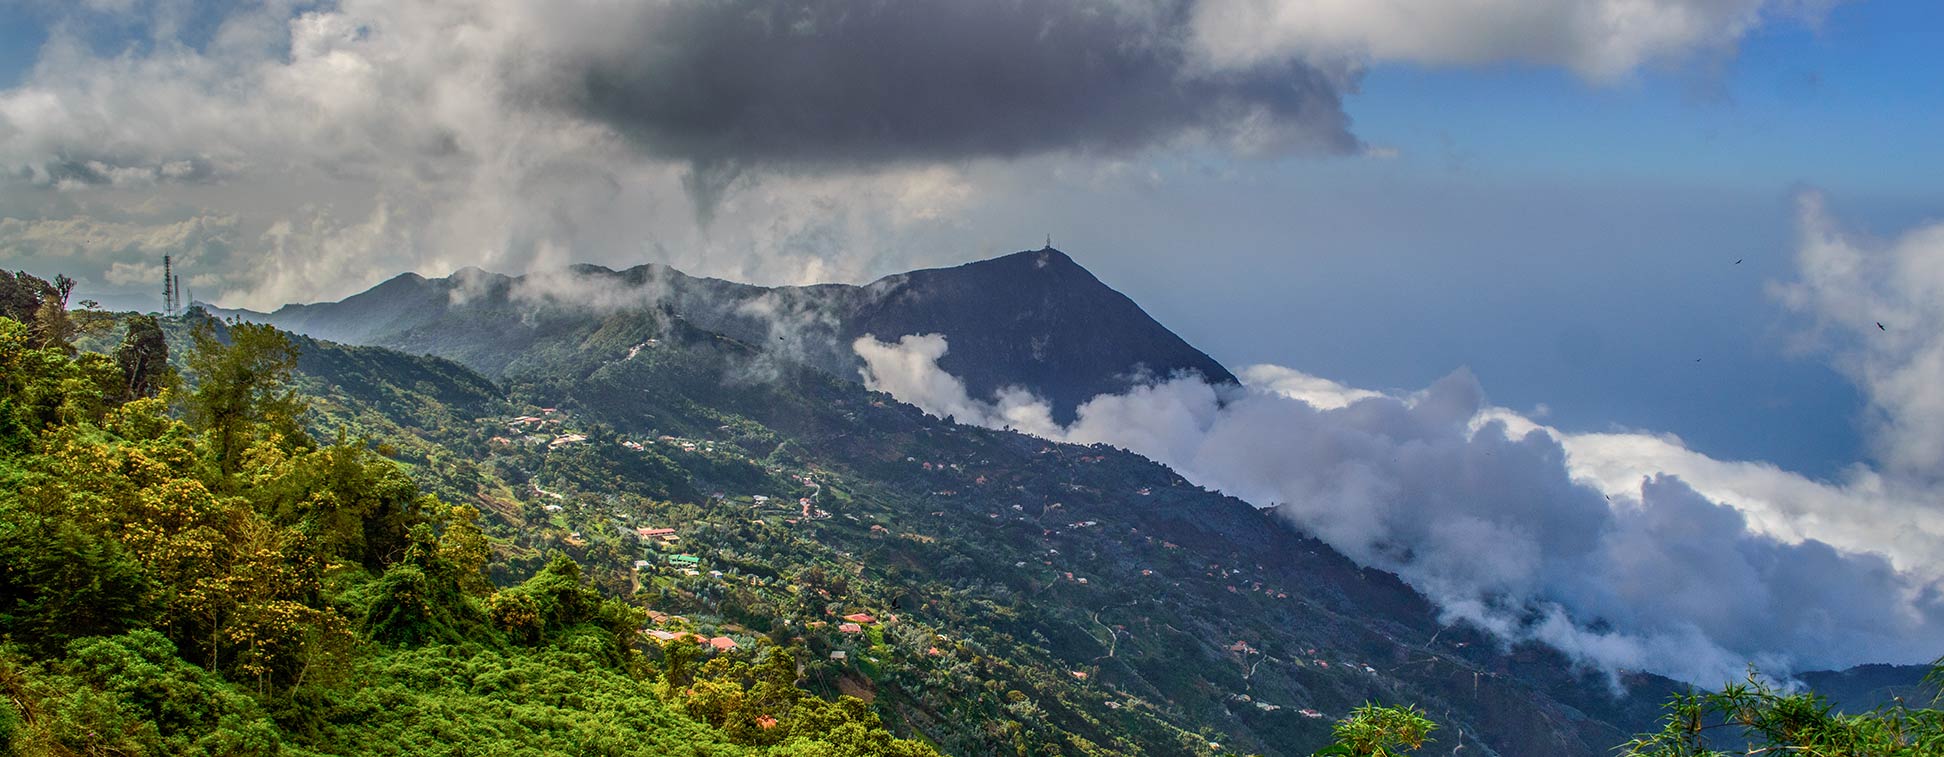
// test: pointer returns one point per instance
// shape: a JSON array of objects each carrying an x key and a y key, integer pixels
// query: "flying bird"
[
  {"x": 1880, "y": 326},
  {"x": 1738, "y": 261}
]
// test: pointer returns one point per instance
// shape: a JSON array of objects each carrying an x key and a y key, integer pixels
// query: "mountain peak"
[
  {"x": 1034, "y": 319},
  {"x": 1043, "y": 259},
  {"x": 590, "y": 269}
]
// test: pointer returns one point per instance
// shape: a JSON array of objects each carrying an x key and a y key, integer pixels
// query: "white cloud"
[
  {"x": 1319, "y": 392},
  {"x": 87, "y": 237},
  {"x": 317, "y": 246},
  {"x": 1499, "y": 520},
  {"x": 1878, "y": 310},
  {"x": 909, "y": 368},
  {"x": 1864, "y": 511},
  {"x": 413, "y": 113},
  {"x": 1598, "y": 39}
]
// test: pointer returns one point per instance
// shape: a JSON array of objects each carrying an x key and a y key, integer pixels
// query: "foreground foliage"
[
  {"x": 1754, "y": 717},
  {"x": 1744, "y": 719},
  {"x": 1377, "y": 731}
]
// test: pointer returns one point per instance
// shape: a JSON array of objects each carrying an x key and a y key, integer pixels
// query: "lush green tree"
[
  {"x": 53, "y": 329},
  {"x": 464, "y": 544},
  {"x": 1755, "y": 718},
  {"x": 516, "y": 615},
  {"x": 357, "y": 505},
  {"x": 557, "y": 606},
  {"x": 243, "y": 387},
  {"x": 1373, "y": 730},
  {"x": 16, "y": 362},
  {"x": 42, "y": 386},
  {"x": 419, "y": 600},
  {"x": 58, "y": 582},
  {"x": 21, "y": 295},
  {"x": 680, "y": 659},
  {"x": 242, "y": 546},
  {"x": 131, "y": 694},
  {"x": 144, "y": 358}
]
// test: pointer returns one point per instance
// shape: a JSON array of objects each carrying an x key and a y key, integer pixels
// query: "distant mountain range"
[{"x": 1035, "y": 319}]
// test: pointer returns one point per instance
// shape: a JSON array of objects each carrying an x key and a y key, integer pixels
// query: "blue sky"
[{"x": 1842, "y": 105}]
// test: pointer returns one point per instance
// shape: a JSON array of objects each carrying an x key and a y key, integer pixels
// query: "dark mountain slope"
[{"x": 1032, "y": 319}]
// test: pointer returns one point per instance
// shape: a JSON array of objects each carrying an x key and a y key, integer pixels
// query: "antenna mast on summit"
[
  {"x": 1049, "y": 241},
  {"x": 168, "y": 288}
]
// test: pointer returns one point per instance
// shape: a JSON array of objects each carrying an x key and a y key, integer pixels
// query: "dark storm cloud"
[{"x": 867, "y": 82}]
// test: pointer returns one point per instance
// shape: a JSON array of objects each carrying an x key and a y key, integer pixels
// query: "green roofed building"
[{"x": 684, "y": 560}]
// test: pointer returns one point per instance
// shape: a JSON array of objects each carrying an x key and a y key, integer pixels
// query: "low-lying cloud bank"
[
  {"x": 1489, "y": 517},
  {"x": 1626, "y": 550}
]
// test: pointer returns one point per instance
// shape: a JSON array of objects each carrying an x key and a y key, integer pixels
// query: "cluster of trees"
[
  {"x": 758, "y": 702},
  {"x": 48, "y": 380},
  {"x": 184, "y": 570}
]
